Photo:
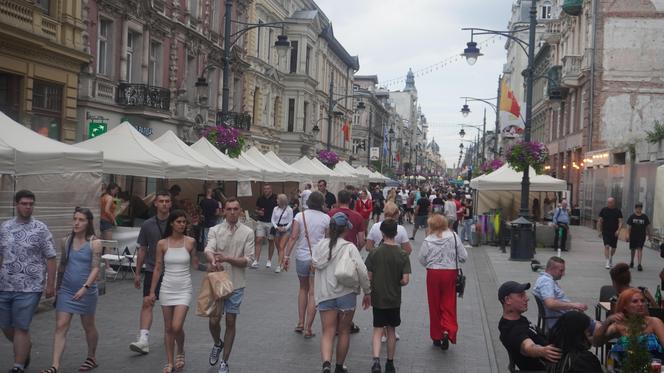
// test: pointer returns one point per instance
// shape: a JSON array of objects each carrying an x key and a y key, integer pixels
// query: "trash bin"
[
  {"x": 522, "y": 241},
  {"x": 575, "y": 217}
]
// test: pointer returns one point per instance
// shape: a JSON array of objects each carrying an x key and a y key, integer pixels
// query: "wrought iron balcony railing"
[
  {"x": 143, "y": 95},
  {"x": 241, "y": 121}
]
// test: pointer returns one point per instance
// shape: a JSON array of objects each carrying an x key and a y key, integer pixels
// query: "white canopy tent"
[
  {"x": 372, "y": 177},
  {"x": 336, "y": 181},
  {"x": 216, "y": 170},
  {"x": 209, "y": 151},
  {"x": 501, "y": 189},
  {"x": 283, "y": 173},
  {"x": 267, "y": 172},
  {"x": 305, "y": 165},
  {"x": 362, "y": 179},
  {"x": 128, "y": 152},
  {"x": 304, "y": 177},
  {"x": 61, "y": 176}
]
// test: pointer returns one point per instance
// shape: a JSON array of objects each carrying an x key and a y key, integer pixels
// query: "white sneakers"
[
  {"x": 141, "y": 346},
  {"x": 277, "y": 270},
  {"x": 254, "y": 265},
  {"x": 609, "y": 263},
  {"x": 223, "y": 367},
  {"x": 268, "y": 264}
]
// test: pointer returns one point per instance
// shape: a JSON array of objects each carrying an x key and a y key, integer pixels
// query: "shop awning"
[
  {"x": 284, "y": 173},
  {"x": 25, "y": 152},
  {"x": 216, "y": 170},
  {"x": 128, "y": 152}
]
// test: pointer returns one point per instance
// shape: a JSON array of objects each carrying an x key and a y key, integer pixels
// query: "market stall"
[
  {"x": 62, "y": 176},
  {"x": 362, "y": 179},
  {"x": 501, "y": 190}
]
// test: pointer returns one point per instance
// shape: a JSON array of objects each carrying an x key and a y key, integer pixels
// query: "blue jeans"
[{"x": 467, "y": 234}]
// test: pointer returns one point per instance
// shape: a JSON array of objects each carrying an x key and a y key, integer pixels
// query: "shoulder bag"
[
  {"x": 461, "y": 278},
  {"x": 306, "y": 235},
  {"x": 273, "y": 230},
  {"x": 346, "y": 270}
]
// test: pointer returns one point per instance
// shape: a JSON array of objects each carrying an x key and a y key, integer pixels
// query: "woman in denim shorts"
[
  {"x": 282, "y": 220},
  {"x": 336, "y": 301}
]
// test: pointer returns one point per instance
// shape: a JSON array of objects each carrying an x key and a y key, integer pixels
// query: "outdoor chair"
[
  {"x": 541, "y": 317},
  {"x": 656, "y": 312},
  {"x": 512, "y": 367},
  {"x": 606, "y": 292}
]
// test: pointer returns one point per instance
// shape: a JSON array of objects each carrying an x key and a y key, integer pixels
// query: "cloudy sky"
[{"x": 391, "y": 36}]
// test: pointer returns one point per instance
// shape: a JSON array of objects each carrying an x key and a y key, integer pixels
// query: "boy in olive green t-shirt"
[{"x": 389, "y": 270}]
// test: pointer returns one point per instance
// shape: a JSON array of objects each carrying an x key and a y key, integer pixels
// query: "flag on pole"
[
  {"x": 346, "y": 131},
  {"x": 510, "y": 112},
  {"x": 385, "y": 140}
]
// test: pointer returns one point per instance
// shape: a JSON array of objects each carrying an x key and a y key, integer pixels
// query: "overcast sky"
[{"x": 391, "y": 36}]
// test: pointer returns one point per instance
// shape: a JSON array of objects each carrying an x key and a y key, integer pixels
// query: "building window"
[
  {"x": 306, "y": 117},
  {"x": 45, "y": 5},
  {"x": 259, "y": 40},
  {"x": 291, "y": 114},
  {"x": 269, "y": 46},
  {"x": 293, "y": 57},
  {"x": 154, "y": 66},
  {"x": 193, "y": 9},
  {"x": 103, "y": 47},
  {"x": 308, "y": 60},
  {"x": 10, "y": 93},
  {"x": 214, "y": 16},
  {"x": 47, "y": 108},
  {"x": 131, "y": 41},
  {"x": 545, "y": 10}
]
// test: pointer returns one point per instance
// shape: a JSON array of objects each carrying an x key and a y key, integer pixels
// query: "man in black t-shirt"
[
  {"x": 638, "y": 226},
  {"x": 378, "y": 200},
  {"x": 422, "y": 211},
  {"x": 210, "y": 210},
  {"x": 527, "y": 348},
  {"x": 610, "y": 221},
  {"x": 330, "y": 198},
  {"x": 265, "y": 204}
]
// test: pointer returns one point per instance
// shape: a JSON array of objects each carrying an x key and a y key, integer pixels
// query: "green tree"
[{"x": 637, "y": 359}]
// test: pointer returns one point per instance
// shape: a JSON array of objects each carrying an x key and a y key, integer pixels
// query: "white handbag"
[{"x": 346, "y": 270}]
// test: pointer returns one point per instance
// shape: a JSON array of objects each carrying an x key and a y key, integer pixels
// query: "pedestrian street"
[{"x": 265, "y": 340}]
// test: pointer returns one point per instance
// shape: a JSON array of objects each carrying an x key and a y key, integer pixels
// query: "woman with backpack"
[{"x": 336, "y": 300}]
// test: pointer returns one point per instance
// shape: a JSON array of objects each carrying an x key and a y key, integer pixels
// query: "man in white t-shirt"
[
  {"x": 375, "y": 236},
  {"x": 450, "y": 210},
  {"x": 305, "y": 196}
]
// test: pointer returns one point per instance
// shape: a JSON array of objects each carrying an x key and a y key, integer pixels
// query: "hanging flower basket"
[
  {"x": 328, "y": 158},
  {"x": 490, "y": 166},
  {"x": 524, "y": 154},
  {"x": 227, "y": 139}
]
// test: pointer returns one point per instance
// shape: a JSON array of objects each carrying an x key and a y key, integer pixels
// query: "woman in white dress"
[{"x": 175, "y": 255}]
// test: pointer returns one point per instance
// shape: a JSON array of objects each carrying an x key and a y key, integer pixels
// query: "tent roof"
[
  {"x": 266, "y": 169},
  {"x": 209, "y": 151},
  {"x": 305, "y": 165},
  {"x": 128, "y": 152},
  {"x": 283, "y": 173},
  {"x": 216, "y": 171},
  {"x": 25, "y": 152},
  {"x": 329, "y": 172},
  {"x": 303, "y": 175},
  {"x": 506, "y": 178},
  {"x": 361, "y": 177}
]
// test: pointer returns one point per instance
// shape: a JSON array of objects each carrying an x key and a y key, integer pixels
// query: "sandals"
[
  {"x": 88, "y": 365},
  {"x": 299, "y": 329},
  {"x": 309, "y": 334},
  {"x": 179, "y": 362},
  {"x": 168, "y": 368},
  {"x": 49, "y": 370}
]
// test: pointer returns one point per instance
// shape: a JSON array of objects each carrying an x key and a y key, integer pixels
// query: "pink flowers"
[
  {"x": 328, "y": 158},
  {"x": 490, "y": 166},
  {"x": 524, "y": 154},
  {"x": 225, "y": 138}
]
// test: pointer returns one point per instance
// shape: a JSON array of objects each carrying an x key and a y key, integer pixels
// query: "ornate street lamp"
[
  {"x": 462, "y": 133},
  {"x": 315, "y": 130},
  {"x": 471, "y": 53}
]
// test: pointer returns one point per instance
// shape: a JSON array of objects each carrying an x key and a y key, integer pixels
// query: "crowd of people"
[{"x": 320, "y": 237}]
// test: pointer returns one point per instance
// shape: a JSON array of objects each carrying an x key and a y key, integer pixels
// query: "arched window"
[{"x": 545, "y": 10}]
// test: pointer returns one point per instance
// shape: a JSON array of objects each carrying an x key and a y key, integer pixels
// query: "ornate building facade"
[{"x": 41, "y": 55}]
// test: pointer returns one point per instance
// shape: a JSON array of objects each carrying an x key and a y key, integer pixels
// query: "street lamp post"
[
  {"x": 525, "y": 235},
  {"x": 465, "y": 110},
  {"x": 479, "y": 129}
]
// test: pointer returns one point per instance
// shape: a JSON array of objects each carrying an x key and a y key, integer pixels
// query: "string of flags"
[{"x": 434, "y": 67}]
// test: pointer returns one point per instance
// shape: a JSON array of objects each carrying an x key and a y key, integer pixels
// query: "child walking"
[{"x": 389, "y": 270}]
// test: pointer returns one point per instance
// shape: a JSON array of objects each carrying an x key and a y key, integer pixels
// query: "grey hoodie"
[
  {"x": 325, "y": 283},
  {"x": 437, "y": 252}
]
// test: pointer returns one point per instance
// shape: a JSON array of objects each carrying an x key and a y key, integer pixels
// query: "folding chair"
[
  {"x": 128, "y": 262},
  {"x": 115, "y": 256},
  {"x": 541, "y": 316}
]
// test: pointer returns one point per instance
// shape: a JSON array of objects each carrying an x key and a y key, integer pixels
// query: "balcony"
[
  {"x": 572, "y": 74},
  {"x": 552, "y": 33},
  {"x": 29, "y": 18},
  {"x": 553, "y": 88},
  {"x": 143, "y": 96},
  {"x": 241, "y": 121}
]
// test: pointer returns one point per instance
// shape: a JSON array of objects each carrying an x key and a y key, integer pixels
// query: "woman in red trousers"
[
  {"x": 364, "y": 206},
  {"x": 437, "y": 254}
]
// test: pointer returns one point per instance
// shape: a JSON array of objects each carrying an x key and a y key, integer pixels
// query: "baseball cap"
[
  {"x": 342, "y": 220},
  {"x": 511, "y": 287}
]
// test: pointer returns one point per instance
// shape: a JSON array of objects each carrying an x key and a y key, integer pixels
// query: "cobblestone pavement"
[{"x": 266, "y": 342}]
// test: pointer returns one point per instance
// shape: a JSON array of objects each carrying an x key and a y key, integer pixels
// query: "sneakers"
[
  {"x": 639, "y": 268},
  {"x": 16, "y": 370},
  {"x": 327, "y": 367},
  {"x": 141, "y": 346},
  {"x": 354, "y": 329},
  {"x": 277, "y": 270},
  {"x": 383, "y": 339},
  {"x": 340, "y": 369},
  {"x": 268, "y": 264},
  {"x": 254, "y": 265},
  {"x": 223, "y": 367},
  {"x": 215, "y": 352},
  {"x": 608, "y": 264},
  {"x": 375, "y": 368},
  {"x": 389, "y": 367},
  {"x": 631, "y": 264},
  {"x": 611, "y": 261},
  {"x": 445, "y": 342}
]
